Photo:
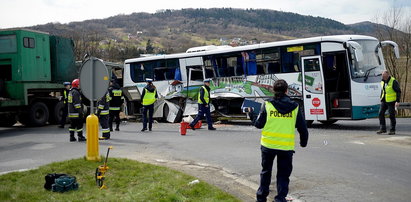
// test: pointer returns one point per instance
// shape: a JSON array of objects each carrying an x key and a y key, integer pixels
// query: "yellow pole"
[{"x": 92, "y": 138}]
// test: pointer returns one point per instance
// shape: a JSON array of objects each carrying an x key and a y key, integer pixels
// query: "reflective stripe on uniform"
[
  {"x": 105, "y": 130},
  {"x": 77, "y": 106},
  {"x": 72, "y": 129},
  {"x": 114, "y": 108},
  {"x": 80, "y": 130},
  {"x": 74, "y": 115},
  {"x": 279, "y": 129},
  {"x": 101, "y": 106},
  {"x": 104, "y": 112}
]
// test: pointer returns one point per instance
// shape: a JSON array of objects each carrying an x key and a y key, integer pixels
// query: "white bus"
[{"x": 333, "y": 77}]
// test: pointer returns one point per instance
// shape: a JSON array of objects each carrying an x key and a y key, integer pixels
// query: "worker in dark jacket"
[
  {"x": 67, "y": 86},
  {"x": 117, "y": 100},
  {"x": 204, "y": 106},
  {"x": 103, "y": 116},
  {"x": 390, "y": 99},
  {"x": 75, "y": 112},
  {"x": 148, "y": 97},
  {"x": 278, "y": 118}
]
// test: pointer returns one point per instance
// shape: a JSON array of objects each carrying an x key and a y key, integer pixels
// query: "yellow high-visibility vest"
[
  {"x": 149, "y": 97},
  {"x": 390, "y": 94},
  {"x": 206, "y": 96},
  {"x": 279, "y": 129}
]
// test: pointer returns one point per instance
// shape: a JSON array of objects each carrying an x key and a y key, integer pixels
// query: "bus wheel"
[
  {"x": 38, "y": 114},
  {"x": 329, "y": 122}
]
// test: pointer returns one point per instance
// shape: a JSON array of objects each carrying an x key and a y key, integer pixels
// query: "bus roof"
[{"x": 334, "y": 38}]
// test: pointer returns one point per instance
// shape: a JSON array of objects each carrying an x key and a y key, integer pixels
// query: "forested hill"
[{"x": 169, "y": 31}]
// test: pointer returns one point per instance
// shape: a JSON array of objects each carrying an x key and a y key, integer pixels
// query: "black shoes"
[
  {"x": 212, "y": 128},
  {"x": 117, "y": 129},
  {"x": 192, "y": 127},
  {"x": 103, "y": 138},
  {"x": 149, "y": 129},
  {"x": 72, "y": 139},
  {"x": 144, "y": 129},
  {"x": 381, "y": 131},
  {"x": 392, "y": 132},
  {"x": 81, "y": 139}
]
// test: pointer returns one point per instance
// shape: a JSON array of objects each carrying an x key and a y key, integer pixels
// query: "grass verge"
[{"x": 127, "y": 180}]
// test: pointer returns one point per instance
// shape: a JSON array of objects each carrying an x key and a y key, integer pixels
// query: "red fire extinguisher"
[{"x": 183, "y": 127}]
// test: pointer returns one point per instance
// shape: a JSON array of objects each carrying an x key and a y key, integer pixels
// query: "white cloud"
[{"x": 15, "y": 13}]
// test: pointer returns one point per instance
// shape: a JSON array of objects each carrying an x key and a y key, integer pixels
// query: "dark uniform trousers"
[
  {"x": 284, "y": 169},
  {"x": 391, "y": 110},
  {"x": 104, "y": 122},
  {"x": 149, "y": 119},
  {"x": 114, "y": 116},
  {"x": 76, "y": 125},
  {"x": 64, "y": 115},
  {"x": 203, "y": 110}
]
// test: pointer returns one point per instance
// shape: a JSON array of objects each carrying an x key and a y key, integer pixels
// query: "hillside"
[{"x": 169, "y": 31}]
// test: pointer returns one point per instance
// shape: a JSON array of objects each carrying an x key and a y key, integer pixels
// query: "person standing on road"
[
  {"x": 278, "y": 118},
  {"x": 117, "y": 100},
  {"x": 204, "y": 106},
  {"x": 148, "y": 97},
  {"x": 75, "y": 112},
  {"x": 103, "y": 116},
  {"x": 67, "y": 86},
  {"x": 390, "y": 98}
]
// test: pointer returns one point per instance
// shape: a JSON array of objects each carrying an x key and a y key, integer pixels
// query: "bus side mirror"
[
  {"x": 356, "y": 49},
  {"x": 394, "y": 45}
]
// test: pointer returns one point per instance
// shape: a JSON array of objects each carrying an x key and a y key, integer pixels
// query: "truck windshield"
[
  {"x": 370, "y": 68},
  {"x": 8, "y": 44}
]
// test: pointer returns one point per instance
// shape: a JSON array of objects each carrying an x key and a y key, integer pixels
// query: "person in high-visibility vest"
[
  {"x": 278, "y": 119},
  {"x": 117, "y": 100},
  {"x": 204, "y": 106},
  {"x": 103, "y": 116},
  {"x": 390, "y": 98},
  {"x": 67, "y": 86},
  {"x": 148, "y": 98},
  {"x": 75, "y": 111}
]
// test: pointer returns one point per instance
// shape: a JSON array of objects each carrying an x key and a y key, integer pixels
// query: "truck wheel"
[
  {"x": 8, "y": 121},
  {"x": 38, "y": 114},
  {"x": 56, "y": 113}
]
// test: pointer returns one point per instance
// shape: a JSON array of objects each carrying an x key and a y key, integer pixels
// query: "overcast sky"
[{"x": 18, "y": 13}]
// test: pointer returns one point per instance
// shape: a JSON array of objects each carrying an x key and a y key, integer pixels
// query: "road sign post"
[{"x": 94, "y": 81}]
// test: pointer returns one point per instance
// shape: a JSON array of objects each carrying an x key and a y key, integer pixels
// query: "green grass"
[{"x": 126, "y": 180}]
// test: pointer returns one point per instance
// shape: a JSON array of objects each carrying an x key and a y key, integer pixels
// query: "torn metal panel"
[{"x": 191, "y": 108}]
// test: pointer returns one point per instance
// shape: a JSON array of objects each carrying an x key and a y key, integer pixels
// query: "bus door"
[{"x": 313, "y": 85}]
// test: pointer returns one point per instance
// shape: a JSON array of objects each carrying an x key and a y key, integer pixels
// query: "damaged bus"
[{"x": 332, "y": 77}]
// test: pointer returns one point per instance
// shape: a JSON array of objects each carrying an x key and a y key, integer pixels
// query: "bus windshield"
[{"x": 370, "y": 68}]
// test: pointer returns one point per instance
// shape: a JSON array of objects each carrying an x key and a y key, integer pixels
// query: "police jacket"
[
  {"x": 74, "y": 104},
  {"x": 149, "y": 88},
  {"x": 116, "y": 95},
  {"x": 65, "y": 95},
  {"x": 202, "y": 93},
  {"x": 103, "y": 105},
  {"x": 284, "y": 105}
]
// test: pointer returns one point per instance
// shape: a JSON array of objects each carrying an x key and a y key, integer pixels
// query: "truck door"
[{"x": 313, "y": 85}]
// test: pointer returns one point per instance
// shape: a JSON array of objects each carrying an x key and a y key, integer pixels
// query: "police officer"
[
  {"x": 75, "y": 112},
  {"x": 278, "y": 118},
  {"x": 103, "y": 116},
  {"x": 67, "y": 86},
  {"x": 117, "y": 99},
  {"x": 390, "y": 98},
  {"x": 204, "y": 106},
  {"x": 148, "y": 97}
]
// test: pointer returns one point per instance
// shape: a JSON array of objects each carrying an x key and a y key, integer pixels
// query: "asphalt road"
[{"x": 343, "y": 162}]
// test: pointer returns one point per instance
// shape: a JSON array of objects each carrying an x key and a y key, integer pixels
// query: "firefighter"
[
  {"x": 117, "y": 99},
  {"x": 103, "y": 116},
  {"x": 204, "y": 106},
  {"x": 67, "y": 86},
  {"x": 278, "y": 118},
  {"x": 75, "y": 111},
  {"x": 148, "y": 97}
]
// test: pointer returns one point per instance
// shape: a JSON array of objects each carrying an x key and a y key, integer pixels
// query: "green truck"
[{"x": 33, "y": 67}]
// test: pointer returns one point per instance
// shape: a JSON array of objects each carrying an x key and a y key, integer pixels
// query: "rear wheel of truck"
[
  {"x": 38, "y": 114},
  {"x": 56, "y": 113}
]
